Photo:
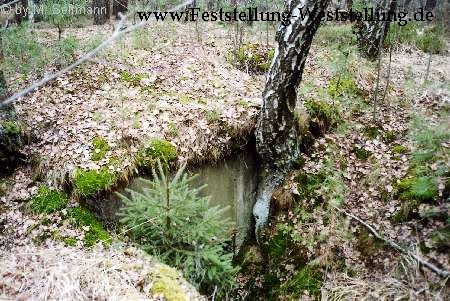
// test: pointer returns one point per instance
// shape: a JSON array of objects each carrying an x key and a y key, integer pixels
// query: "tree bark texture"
[
  {"x": 371, "y": 33},
  {"x": 101, "y": 11},
  {"x": 277, "y": 139}
]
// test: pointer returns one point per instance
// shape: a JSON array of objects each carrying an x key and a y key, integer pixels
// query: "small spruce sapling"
[{"x": 173, "y": 222}]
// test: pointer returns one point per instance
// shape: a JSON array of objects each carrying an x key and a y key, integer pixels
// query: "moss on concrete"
[{"x": 166, "y": 281}]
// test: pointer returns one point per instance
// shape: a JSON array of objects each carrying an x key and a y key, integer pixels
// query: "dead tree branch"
[{"x": 441, "y": 272}]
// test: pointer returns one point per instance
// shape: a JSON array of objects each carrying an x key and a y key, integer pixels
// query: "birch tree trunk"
[
  {"x": 371, "y": 33},
  {"x": 277, "y": 139}
]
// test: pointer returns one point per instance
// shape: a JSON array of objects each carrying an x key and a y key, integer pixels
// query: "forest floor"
[
  {"x": 186, "y": 92},
  {"x": 362, "y": 167}
]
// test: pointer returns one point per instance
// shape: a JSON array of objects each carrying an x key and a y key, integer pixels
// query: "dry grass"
[
  {"x": 56, "y": 272},
  {"x": 406, "y": 282}
]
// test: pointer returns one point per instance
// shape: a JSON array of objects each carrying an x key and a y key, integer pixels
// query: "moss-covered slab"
[{"x": 169, "y": 283}]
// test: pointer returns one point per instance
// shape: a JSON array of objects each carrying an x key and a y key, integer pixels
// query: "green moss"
[
  {"x": 166, "y": 282},
  {"x": 4, "y": 186},
  {"x": 157, "y": 149},
  {"x": 361, "y": 153},
  {"x": 212, "y": 116},
  {"x": 423, "y": 189},
  {"x": 82, "y": 217},
  {"x": 46, "y": 221},
  {"x": 324, "y": 111},
  {"x": 254, "y": 57},
  {"x": 399, "y": 149},
  {"x": 276, "y": 246},
  {"x": 101, "y": 147},
  {"x": 371, "y": 132},
  {"x": 265, "y": 65},
  {"x": 48, "y": 200},
  {"x": 11, "y": 127},
  {"x": 389, "y": 136},
  {"x": 173, "y": 129},
  {"x": 252, "y": 256},
  {"x": 132, "y": 79},
  {"x": 70, "y": 241},
  {"x": 413, "y": 191},
  {"x": 309, "y": 278},
  {"x": 350, "y": 272},
  {"x": 343, "y": 86},
  {"x": 90, "y": 182}
]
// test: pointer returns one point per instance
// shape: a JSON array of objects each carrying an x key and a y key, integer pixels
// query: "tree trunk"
[
  {"x": 22, "y": 15},
  {"x": 371, "y": 33},
  {"x": 11, "y": 136},
  {"x": 277, "y": 139},
  {"x": 101, "y": 11},
  {"x": 119, "y": 6},
  {"x": 430, "y": 5},
  {"x": 38, "y": 17}
]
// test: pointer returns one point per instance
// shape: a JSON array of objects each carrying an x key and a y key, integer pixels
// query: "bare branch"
[
  {"x": 88, "y": 56},
  {"x": 441, "y": 272}
]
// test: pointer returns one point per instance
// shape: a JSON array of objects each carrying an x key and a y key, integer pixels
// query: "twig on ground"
[{"x": 441, "y": 272}]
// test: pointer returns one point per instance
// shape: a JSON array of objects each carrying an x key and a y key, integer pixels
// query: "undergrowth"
[
  {"x": 430, "y": 39},
  {"x": 323, "y": 115},
  {"x": 253, "y": 57},
  {"x": 11, "y": 127},
  {"x": 293, "y": 240},
  {"x": 427, "y": 169}
]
